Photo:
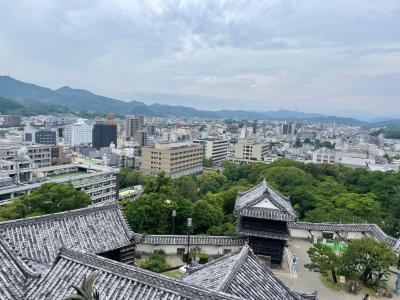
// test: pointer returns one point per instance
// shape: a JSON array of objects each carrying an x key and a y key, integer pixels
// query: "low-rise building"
[
  {"x": 40, "y": 155},
  {"x": 99, "y": 182},
  {"x": 351, "y": 159}
]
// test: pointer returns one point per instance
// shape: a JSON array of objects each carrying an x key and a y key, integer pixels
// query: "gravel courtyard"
[{"x": 307, "y": 281}]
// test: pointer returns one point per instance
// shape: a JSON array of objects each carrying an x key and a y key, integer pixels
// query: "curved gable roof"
[
  {"x": 114, "y": 280},
  {"x": 95, "y": 229},
  {"x": 241, "y": 274},
  {"x": 15, "y": 275},
  {"x": 264, "y": 202}
]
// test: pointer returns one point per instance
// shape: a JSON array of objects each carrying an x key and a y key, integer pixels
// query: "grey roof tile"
[
  {"x": 246, "y": 204},
  {"x": 373, "y": 229},
  {"x": 15, "y": 275},
  {"x": 94, "y": 229},
  {"x": 114, "y": 281},
  {"x": 240, "y": 273},
  {"x": 194, "y": 240}
]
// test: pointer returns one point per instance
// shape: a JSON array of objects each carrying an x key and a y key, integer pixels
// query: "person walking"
[{"x": 294, "y": 263}]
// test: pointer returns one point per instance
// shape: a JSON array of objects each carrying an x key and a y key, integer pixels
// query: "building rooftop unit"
[{"x": 172, "y": 145}]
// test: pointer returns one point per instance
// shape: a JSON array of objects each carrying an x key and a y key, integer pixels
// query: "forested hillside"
[{"x": 319, "y": 193}]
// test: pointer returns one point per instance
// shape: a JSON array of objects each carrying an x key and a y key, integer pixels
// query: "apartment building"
[
  {"x": 79, "y": 133},
  {"x": 132, "y": 125},
  {"x": 40, "y": 155},
  {"x": 215, "y": 149},
  {"x": 175, "y": 159},
  {"x": 249, "y": 149}
]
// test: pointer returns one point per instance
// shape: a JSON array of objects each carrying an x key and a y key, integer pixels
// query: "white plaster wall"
[{"x": 172, "y": 249}]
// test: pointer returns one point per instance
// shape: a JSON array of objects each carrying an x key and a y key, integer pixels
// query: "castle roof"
[
  {"x": 114, "y": 280},
  {"x": 95, "y": 229},
  {"x": 242, "y": 274},
  {"x": 264, "y": 202}
]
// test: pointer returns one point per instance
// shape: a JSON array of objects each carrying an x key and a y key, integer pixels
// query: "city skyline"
[{"x": 333, "y": 58}]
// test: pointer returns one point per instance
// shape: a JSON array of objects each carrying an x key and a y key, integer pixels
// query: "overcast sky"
[{"x": 335, "y": 57}]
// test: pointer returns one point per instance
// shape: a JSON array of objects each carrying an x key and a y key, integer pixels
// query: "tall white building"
[
  {"x": 79, "y": 133},
  {"x": 215, "y": 149}
]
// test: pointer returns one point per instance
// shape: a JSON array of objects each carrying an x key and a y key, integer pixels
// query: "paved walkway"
[{"x": 307, "y": 281}]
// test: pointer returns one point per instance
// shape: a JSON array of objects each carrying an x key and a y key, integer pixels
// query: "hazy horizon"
[{"x": 335, "y": 58}]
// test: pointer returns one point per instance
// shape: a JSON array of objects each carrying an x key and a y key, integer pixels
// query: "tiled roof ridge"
[
  {"x": 58, "y": 215},
  {"x": 397, "y": 245},
  {"x": 265, "y": 191},
  {"x": 276, "y": 191},
  {"x": 272, "y": 192},
  {"x": 291, "y": 291},
  {"x": 270, "y": 197},
  {"x": 284, "y": 211},
  {"x": 243, "y": 254},
  {"x": 223, "y": 239},
  {"x": 224, "y": 284},
  {"x": 130, "y": 233},
  {"x": 240, "y": 202},
  {"x": 263, "y": 183},
  {"x": 214, "y": 261},
  {"x": 362, "y": 227},
  {"x": 251, "y": 203},
  {"x": 18, "y": 261},
  {"x": 141, "y": 275}
]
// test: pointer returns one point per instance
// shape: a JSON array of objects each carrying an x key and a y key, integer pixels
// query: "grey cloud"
[{"x": 271, "y": 53}]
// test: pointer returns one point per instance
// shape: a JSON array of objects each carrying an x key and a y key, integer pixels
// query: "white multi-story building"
[
  {"x": 99, "y": 182},
  {"x": 215, "y": 149},
  {"x": 352, "y": 159},
  {"x": 79, "y": 133}
]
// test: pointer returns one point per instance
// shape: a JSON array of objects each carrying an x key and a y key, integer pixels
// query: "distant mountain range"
[{"x": 33, "y": 99}]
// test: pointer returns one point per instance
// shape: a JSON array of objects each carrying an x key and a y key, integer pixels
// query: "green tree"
[
  {"x": 370, "y": 258},
  {"x": 325, "y": 144},
  {"x": 324, "y": 260},
  {"x": 149, "y": 213},
  {"x": 161, "y": 184},
  {"x": 129, "y": 177},
  {"x": 207, "y": 162},
  {"x": 287, "y": 179},
  {"x": 205, "y": 216},
  {"x": 211, "y": 182},
  {"x": 47, "y": 199},
  {"x": 227, "y": 229},
  {"x": 157, "y": 262},
  {"x": 186, "y": 187}
]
